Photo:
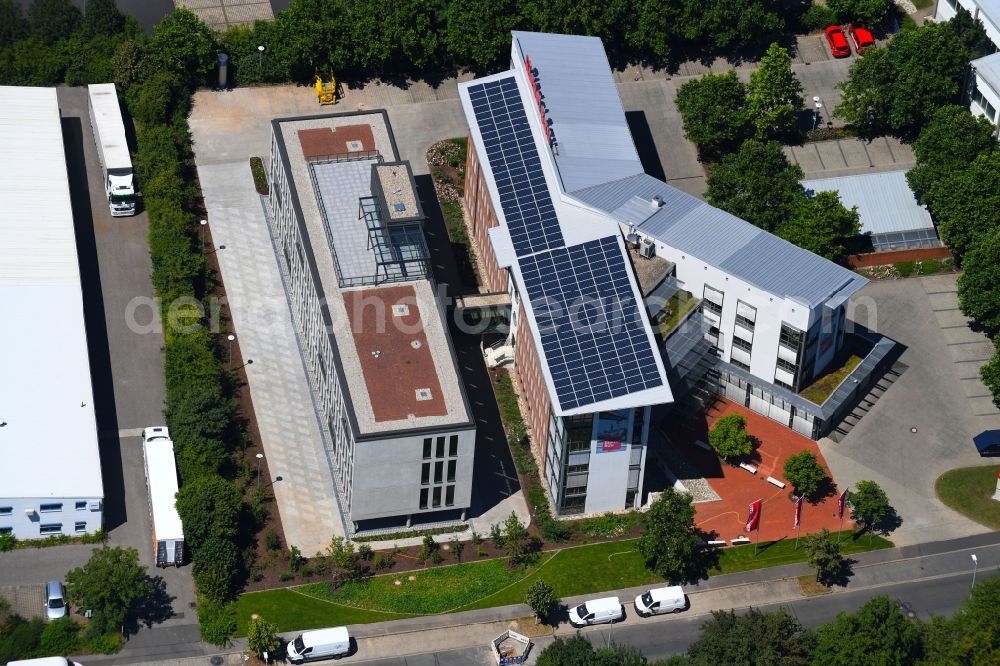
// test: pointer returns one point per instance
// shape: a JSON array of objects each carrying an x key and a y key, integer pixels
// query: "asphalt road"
[{"x": 939, "y": 596}]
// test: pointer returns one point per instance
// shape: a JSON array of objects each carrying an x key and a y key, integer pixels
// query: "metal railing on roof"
[{"x": 345, "y": 157}]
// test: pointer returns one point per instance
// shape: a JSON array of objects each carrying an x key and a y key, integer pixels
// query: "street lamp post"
[
  {"x": 260, "y": 61},
  {"x": 203, "y": 224},
  {"x": 975, "y": 567},
  {"x": 230, "y": 337},
  {"x": 818, "y": 112},
  {"x": 260, "y": 456}
]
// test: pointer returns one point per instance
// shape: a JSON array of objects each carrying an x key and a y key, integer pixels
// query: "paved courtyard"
[
  {"x": 737, "y": 487},
  {"x": 924, "y": 423}
]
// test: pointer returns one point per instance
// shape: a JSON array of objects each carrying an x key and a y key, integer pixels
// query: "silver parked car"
[{"x": 55, "y": 600}]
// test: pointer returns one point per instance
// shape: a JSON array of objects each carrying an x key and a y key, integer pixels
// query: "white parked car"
[{"x": 661, "y": 600}]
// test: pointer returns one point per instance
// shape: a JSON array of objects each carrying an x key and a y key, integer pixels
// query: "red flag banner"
[
  {"x": 798, "y": 513},
  {"x": 753, "y": 520},
  {"x": 840, "y": 505}
]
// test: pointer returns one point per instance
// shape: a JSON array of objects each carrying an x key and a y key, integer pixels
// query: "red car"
[
  {"x": 838, "y": 42},
  {"x": 862, "y": 37}
]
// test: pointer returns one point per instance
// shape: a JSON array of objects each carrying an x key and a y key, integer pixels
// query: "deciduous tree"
[
  {"x": 979, "y": 285},
  {"x": 990, "y": 374},
  {"x": 822, "y": 225},
  {"x": 209, "y": 507},
  {"x": 184, "y": 46},
  {"x": 866, "y": 11},
  {"x": 824, "y": 555},
  {"x": 757, "y": 183},
  {"x": 774, "y": 95},
  {"x": 713, "y": 109},
  {"x": 111, "y": 584},
  {"x": 478, "y": 31},
  {"x": 729, "y": 437},
  {"x": 13, "y": 25},
  {"x": 262, "y": 636},
  {"x": 669, "y": 540},
  {"x": 869, "y": 505},
  {"x": 101, "y": 17},
  {"x": 753, "y": 638},
  {"x": 878, "y": 633},
  {"x": 949, "y": 143},
  {"x": 541, "y": 599},
  {"x": 216, "y": 568},
  {"x": 805, "y": 473},
  {"x": 52, "y": 20},
  {"x": 965, "y": 202}
]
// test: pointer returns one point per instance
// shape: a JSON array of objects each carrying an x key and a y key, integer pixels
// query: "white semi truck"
[
  {"x": 161, "y": 483},
  {"x": 112, "y": 149}
]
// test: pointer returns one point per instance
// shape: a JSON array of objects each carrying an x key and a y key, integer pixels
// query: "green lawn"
[
  {"x": 922, "y": 4},
  {"x": 969, "y": 490},
  {"x": 472, "y": 585}
]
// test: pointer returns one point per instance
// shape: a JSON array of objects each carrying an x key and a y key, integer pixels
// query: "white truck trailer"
[
  {"x": 112, "y": 149},
  {"x": 161, "y": 483}
]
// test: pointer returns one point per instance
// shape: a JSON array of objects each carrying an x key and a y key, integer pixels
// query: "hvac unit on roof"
[
  {"x": 647, "y": 248},
  {"x": 656, "y": 202}
]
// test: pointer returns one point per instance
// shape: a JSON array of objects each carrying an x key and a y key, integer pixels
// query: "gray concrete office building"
[{"x": 348, "y": 231}]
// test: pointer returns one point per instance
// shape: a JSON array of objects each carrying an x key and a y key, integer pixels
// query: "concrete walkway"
[{"x": 762, "y": 587}]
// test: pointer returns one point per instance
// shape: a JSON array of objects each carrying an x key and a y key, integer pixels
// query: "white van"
[
  {"x": 597, "y": 611},
  {"x": 319, "y": 644},
  {"x": 44, "y": 661},
  {"x": 661, "y": 600}
]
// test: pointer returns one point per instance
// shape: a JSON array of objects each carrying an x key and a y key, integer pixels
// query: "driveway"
[
  {"x": 924, "y": 423},
  {"x": 849, "y": 157}
]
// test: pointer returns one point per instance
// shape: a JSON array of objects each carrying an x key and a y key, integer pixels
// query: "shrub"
[
  {"x": 482, "y": 552},
  {"x": 286, "y": 576},
  {"x": 610, "y": 524},
  {"x": 61, "y": 636},
  {"x": 555, "y": 530},
  {"x": 476, "y": 538},
  {"x": 365, "y": 552},
  {"x": 383, "y": 561},
  {"x": 817, "y": 17},
  {"x": 272, "y": 541},
  {"x": 262, "y": 636},
  {"x": 436, "y": 557},
  {"x": 20, "y": 638},
  {"x": 295, "y": 559},
  {"x": 218, "y": 622},
  {"x": 930, "y": 267},
  {"x": 216, "y": 568},
  {"x": 457, "y": 548},
  {"x": 7, "y": 542},
  {"x": 496, "y": 535},
  {"x": 905, "y": 268},
  {"x": 541, "y": 598},
  {"x": 105, "y": 644},
  {"x": 259, "y": 177}
]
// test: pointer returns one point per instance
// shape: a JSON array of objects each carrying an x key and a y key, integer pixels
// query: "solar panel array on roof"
[
  {"x": 517, "y": 169},
  {"x": 591, "y": 330}
]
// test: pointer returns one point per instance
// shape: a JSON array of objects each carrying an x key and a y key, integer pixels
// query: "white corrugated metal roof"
[
  {"x": 988, "y": 69},
  {"x": 885, "y": 201},
  {"x": 588, "y": 120},
  {"x": 48, "y": 447},
  {"x": 720, "y": 239}
]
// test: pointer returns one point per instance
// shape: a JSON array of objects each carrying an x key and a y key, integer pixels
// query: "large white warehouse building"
[{"x": 48, "y": 431}]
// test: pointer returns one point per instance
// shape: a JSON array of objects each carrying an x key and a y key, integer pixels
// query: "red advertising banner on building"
[
  {"x": 753, "y": 520},
  {"x": 609, "y": 445}
]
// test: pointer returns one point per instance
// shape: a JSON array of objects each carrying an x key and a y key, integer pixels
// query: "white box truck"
[
  {"x": 112, "y": 148},
  {"x": 161, "y": 483}
]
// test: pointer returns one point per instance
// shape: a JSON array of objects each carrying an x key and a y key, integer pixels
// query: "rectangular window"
[
  {"x": 50, "y": 508},
  {"x": 782, "y": 384},
  {"x": 440, "y": 447},
  {"x": 437, "y": 497},
  {"x": 740, "y": 343},
  {"x": 746, "y": 315},
  {"x": 6, "y": 510},
  {"x": 712, "y": 307},
  {"x": 423, "y": 498},
  {"x": 786, "y": 366},
  {"x": 451, "y": 471},
  {"x": 427, "y": 447},
  {"x": 425, "y": 474},
  {"x": 739, "y": 364},
  {"x": 438, "y": 469},
  {"x": 453, "y": 446},
  {"x": 51, "y": 528},
  {"x": 81, "y": 506},
  {"x": 81, "y": 527},
  {"x": 576, "y": 469},
  {"x": 449, "y": 496}
]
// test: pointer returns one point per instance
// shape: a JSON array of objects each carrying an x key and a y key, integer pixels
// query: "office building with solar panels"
[
  {"x": 348, "y": 230},
  {"x": 625, "y": 292}
]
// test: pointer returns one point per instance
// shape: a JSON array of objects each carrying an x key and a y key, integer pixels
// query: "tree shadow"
[
  {"x": 889, "y": 524},
  {"x": 843, "y": 574},
  {"x": 155, "y": 607},
  {"x": 827, "y": 488}
]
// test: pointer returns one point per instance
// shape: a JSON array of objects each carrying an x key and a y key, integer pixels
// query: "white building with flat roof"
[{"x": 48, "y": 431}]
